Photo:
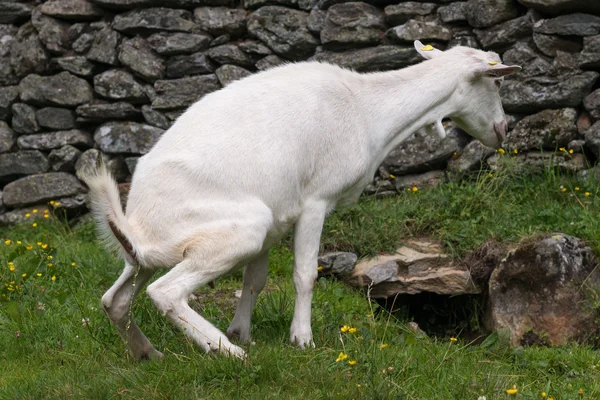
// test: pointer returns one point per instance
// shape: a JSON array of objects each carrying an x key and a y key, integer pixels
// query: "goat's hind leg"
[{"x": 117, "y": 302}]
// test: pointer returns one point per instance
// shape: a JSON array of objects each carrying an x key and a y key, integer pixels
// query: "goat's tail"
[{"x": 106, "y": 208}]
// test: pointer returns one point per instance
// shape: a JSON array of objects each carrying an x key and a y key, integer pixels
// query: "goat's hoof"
[
  {"x": 238, "y": 334},
  {"x": 151, "y": 354},
  {"x": 234, "y": 351},
  {"x": 304, "y": 341}
]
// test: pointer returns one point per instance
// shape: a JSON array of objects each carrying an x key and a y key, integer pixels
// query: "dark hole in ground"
[{"x": 438, "y": 314}]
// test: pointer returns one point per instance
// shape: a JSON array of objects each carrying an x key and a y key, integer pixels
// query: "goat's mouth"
[{"x": 500, "y": 130}]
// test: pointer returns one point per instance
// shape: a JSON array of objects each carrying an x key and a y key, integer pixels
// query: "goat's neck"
[{"x": 398, "y": 103}]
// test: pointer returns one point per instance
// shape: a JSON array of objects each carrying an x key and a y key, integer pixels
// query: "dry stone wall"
[{"x": 84, "y": 77}]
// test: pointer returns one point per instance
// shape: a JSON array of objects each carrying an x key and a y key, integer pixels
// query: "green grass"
[{"x": 47, "y": 352}]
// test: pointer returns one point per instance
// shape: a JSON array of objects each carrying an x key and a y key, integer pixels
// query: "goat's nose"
[{"x": 500, "y": 129}]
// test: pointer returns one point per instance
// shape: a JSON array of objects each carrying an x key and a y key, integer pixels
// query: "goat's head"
[{"x": 478, "y": 108}]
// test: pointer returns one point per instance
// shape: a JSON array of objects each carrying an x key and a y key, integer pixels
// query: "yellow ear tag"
[
  {"x": 427, "y": 48},
  {"x": 493, "y": 62}
]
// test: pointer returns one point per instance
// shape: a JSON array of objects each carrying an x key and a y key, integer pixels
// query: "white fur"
[{"x": 276, "y": 150}]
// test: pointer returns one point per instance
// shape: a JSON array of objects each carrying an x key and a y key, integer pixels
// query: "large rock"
[
  {"x": 55, "y": 118},
  {"x": 22, "y": 163},
  {"x": 8, "y": 96},
  {"x": 64, "y": 159},
  {"x": 126, "y": 137},
  {"x": 502, "y": 35},
  {"x": 14, "y": 12},
  {"x": 55, "y": 140},
  {"x": 469, "y": 159},
  {"x": 539, "y": 93},
  {"x": 137, "y": 54},
  {"x": 8, "y": 138},
  {"x": 572, "y": 24},
  {"x": 352, "y": 24},
  {"x": 537, "y": 162},
  {"x": 104, "y": 111},
  {"x": 230, "y": 54},
  {"x": 7, "y": 73},
  {"x": 453, "y": 12},
  {"x": 425, "y": 29},
  {"x": 269, "y": 62},
  {"x": 418, "y": 266},
  {"x": 221, "y": 20},
  {"x": 592, "y": 138},
  {"x": 550, "y": 44},
  {"x": 424, "y": 151},
  {"x": 40, "y": 188},
  {"x": 592, "y": 104},
  {"x": 77, "y": 10},
  {"x": 23, "y": 120},
  {"x": 427, "y": 179},
  {"x": 63, "y": 89},
  {"x": 155, "y": 118},
  {"x": 546, "y": 130},
  {"x": 229, "y": 73},
  {"x": 485, "y": 13},
  {"x": 28, "y": 55},
  {"x": 338, "y": 263},
  {"x": 151, "y": 20},
  {"x": 590, "y": 56},
  {"x": 120, "y": 85},
  {"x": 78, "y": 65},
  {"x": 129, "y": 4},
  {"x": 105, "y": 46},
  {"x": 380, "y": 58},
  {"x": 169, "y": 44},
  {"x": 541, "y": 288},
  {"x": 54, "y": 34},
  {"x": 284, "y": 31},
  {"x": 181, "y": 93},
  {"x": 562, "y": 6},
  {"x": 400, "y": 13}
]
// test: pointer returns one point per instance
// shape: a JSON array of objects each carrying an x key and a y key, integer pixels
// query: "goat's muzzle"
[{"x": 500, "y": 129}]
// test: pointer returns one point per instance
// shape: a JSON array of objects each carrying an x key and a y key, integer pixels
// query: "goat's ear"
[
  {"x": 427, "y": 51},
  {"x": 498, "y": 70}
]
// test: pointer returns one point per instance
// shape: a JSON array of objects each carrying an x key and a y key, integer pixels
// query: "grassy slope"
[{"x": 47, "y": 352}]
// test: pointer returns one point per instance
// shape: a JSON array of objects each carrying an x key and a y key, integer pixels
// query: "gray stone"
[
  {"x": 28, "y": 55},
  {"x": 180, "y": 93},
  {"x": 537, "y": 162},
  {"x": 380, "y": 58},
  {"x": 352, "y": 24},
  {"x": 254, "y": 48},
  {"x": 546, "y": 130},
  {"x": 131, "y": 163},
  {"x": 105, "y": 111},
  {"x": 8, "y": 138},
  {"x": 221, "y": 20},
  {"x": 302, "y": 4},
  {"x": 126, "y": 137},
  {"x": 485, "y": 13},
  {"x": 469, "y": 159},
  {"x": 592, "y": 138},
  {"x": 155, "y": 118},
  {"x": 22, "y": 163},
  {"x": 105, "y": 46},
  {"x": 87, "y": 161},
  {"x": 523, "y": 55},
  {"x": 230, "y": 54},
  {"x": 555, "y": 7},
  {"x": 137, "y": 54},
  {"x": 337, "y": 263},
  {"x": 150, "y": 20},
  {"x": 78, "y": 65},
  {"x": 542, "y": 288},
  {"x": 549, "y": 44},
  {"x": 19, "y": 216},
  {"x": 8, "y": 96},
  {"x": 424, "y": 151},
  {"x": 564, "y": 64},
  {"x": 83, "y": 43},
  {"x": 7, "y": 73},
  {"x": 466, "y": 41},
  {"x": 398, "y": 14},
  {"x": 77, "y": 10},
  {"x": 223, "y": 39},
  {"x": 51, "y": 32},
  {"x": 453, "y": 12},
  {"x": 55, "y": 140},
  {"x": 539, "y": 93},
  {"x": 590, "y": 56},
  {"x": 592, "y": 104},
  {"x": 7, "y": 35},
  {"x": 229, "y": 73},
  {"x": 40, "y": 188},
  {"x": 129, "y": 4},
  {"x": 63, "y": 89},
  {"x": 23, "y": 120},
  {"x": 169, "y": 44},
  {"x": 426, "y": 29},
  {"x": 64, "y": 159},
  {"x": 2, "y": 209},
  {"x": 55, "y": 118},
  {"x": 427, "y": 179},
  {"x": 197, "y": 63},
  {"x": 284, "y": 31},
  {"x": 572, "y": 24},
  {"x": 14, "y": 12},
  {"x": 505, "y": 34},
  {"x": 173, "y": 115},
  {"x": 316, "y": 20},
  {"x": 268, "y": 62},
  {"x": 120, "y": 85}
]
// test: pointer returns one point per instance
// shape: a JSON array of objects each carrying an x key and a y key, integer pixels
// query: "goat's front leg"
[{"x": 307, "y": 234}]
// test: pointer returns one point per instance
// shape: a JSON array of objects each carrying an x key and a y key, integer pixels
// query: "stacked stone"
[{"x": 79, "y": 78}]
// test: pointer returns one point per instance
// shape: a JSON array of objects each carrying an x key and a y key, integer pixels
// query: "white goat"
[{"x": 276, "y": 150}]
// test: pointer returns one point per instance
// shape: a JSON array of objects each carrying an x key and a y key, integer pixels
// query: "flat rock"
[
  {"x": 8, "y": 138},
  {"x": 14, "y": 12},
  {"x": 83, "y": 43},
  {"x": 539, "y": 93},
  {"x": 337, "y": 263},
  {"x": 592, "y": 104},
  {"x": 28, "y": 55},
  {"x": 483, "y": 13},
  {"x": 64, "y": 159},
  {"x": 155, "y": 118},
  {"x": 105, "y": 46},
  {"x": 55, "y": 118},
  {"x": 52, "y": 32},
  {"x": 25, "y": 162},
  {"x": 254, "y": 48},
  {"x": 537, "y": 162},
  {"x": 592, "y": 138},
  {"x": 505, "y": 34},
  {"x": 590, "y": 55},
  {"x": 316, "y": 20},
  {"x": 229, "y": 73},
  {"x": 221, "y": 20},
  {"x": 120, "y": 85},
  {"x": 193, "y": 64},
  {"x": 572, "y": 24},
  {"x": 19, "y": 216},
  {"x": 105, "y": 111},
  {"x": 269, "y": 62},
  {"x": 427, "y": 179},
  {"x": 398, "y": 14},
  {"x": 55, "y": 140},
  {"x": 380, "y": 58},
  {"x": 77, "y": 10},
  {"x": 546, "y": 130},
  {"x": 88, "y": 160},
  {"x": 541, "y": 288},
  {"x": 7, "y": 73},
  {"x": 39, "y": 188},
  {"x": 169, "y": 44},
  {"x": 8, "y": 96},
  {"x": 23, "y": 119},
  {"x": 180, "y": 93},
  {"x": 150, "y": 20},
  {"x": 126, "y": 137},
  {"x": 63, "y": 89},
  {"x": 426, "y": 29},
  {"x": 352, "y": 24},
  {"x": 469, "y": 159},
  {"x": 284, "y": 31},
  {"x": 78, "y": 65},
  {"x": 230, "y": 54},
  {"x": 555, "y": 7},
  {"x": 549, "y": 44},
  {"x": 131, "y": 163},
  {"x": 137, "y": 54},
  {"x": 453, "y": 13}
]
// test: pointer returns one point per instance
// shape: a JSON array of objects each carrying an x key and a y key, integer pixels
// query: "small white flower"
[
  {"x": 482, "y": 398},
  {"x": 85, "y": 321}
]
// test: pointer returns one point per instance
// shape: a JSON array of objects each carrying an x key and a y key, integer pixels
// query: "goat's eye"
[{"x": 498, "y": 83}]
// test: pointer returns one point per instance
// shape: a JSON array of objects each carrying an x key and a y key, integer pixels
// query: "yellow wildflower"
[
  {"x": 500, "y": 150},
  {"x": 571, "y": 151},
  {"x": 414, "y": 189},
  {"x": 11, "y": 268},
  {"x": 453, "y": 339},
  {"x": 7, "y": 242},
  {"x": 341, "y": 357},
  {"x": 39, "y": 243},
  {"x": 27, "y": 215},
  {"x": 24, "y": 275},
  {"x": 73, "y": 264},
  {"x": 34, "y": 224},
  {"x": 53, "y": 277},
  {"x": 515, "y": 151},
  {"x": 46, "y": 216},
  {"x": 352, "y": 330},
  {"x": 34, "y": 211},
  {"x": 345, "y": 328},
  {"x": 49, "y": 257},
  {"x": 512, "y": 391},
  {"x": 50, "y": 265},
  {"x": 18, "y": 242},
  {"x": 56, "y": 204},
  {"x": 562, "y": 149},
  {"x": 580, "y": 392},
  {"x": 383, "y": 346},
  {"x": 563, "y": 189},
  {"x": 38, "y": 274},
  {"x": 352, "y": 362},
  {"x": 544, "y": 395},
  {"x": 490, "y": 174},
  {"x": 44, "y": 246},
  {"x": 319, "y": 268},
  {"x": 29, "y": 247},
  {"x": 392, "y": 176},
  {"x": 577, "y": 188},
  {"x": 51, "y": 202},
  {"x": 587, "y": 194}
]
